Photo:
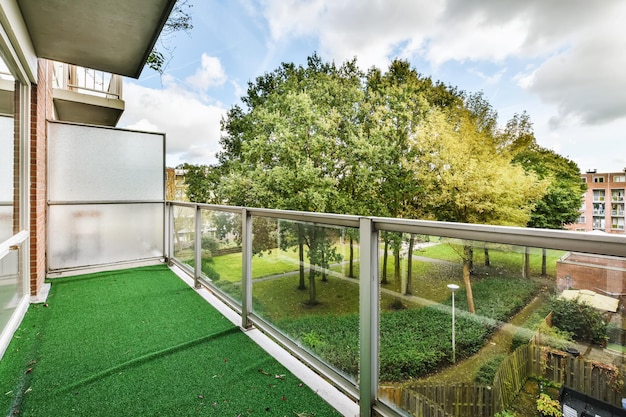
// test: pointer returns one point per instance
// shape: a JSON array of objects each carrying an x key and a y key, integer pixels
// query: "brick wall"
[
  {"x": 589, "y": 272},
  {"x": 41, "y": 110}
]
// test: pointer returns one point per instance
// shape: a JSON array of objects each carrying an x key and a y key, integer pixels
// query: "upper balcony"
[{"x": 84, "y": 95}]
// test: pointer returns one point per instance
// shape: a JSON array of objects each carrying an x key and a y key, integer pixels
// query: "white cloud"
[
  {"x": 192, "y": 127},
  {"x": 210, "y": 74}
]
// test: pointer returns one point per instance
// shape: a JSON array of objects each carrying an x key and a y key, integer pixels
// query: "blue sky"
[{"x": 562, "y": 61}]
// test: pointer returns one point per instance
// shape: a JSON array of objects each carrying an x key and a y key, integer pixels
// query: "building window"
[
  {"x": 584, "y": 179},
  {"x": 581, "y": 220},
  {"x": 617, "y": 195},
  {"x": 619, "y": 178},
  {"x": 598, "y": 209},
  {"x": 617, "y": 209},
  {"x": 598, "y": 223},
  {"x": 598, "y": 195},
  {"x": 598, "y": 179},
  {"x": 617, "y": 223}
]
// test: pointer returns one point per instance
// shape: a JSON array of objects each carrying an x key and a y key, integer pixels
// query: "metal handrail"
[{"x": 364, "y": 390}]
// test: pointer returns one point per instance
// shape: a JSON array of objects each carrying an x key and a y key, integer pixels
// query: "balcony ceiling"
[{"x": 110, "y": 35}]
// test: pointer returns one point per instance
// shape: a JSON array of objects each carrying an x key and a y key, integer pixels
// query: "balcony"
[
  {"x": 83, "y": 95},
  {"x": 353, "y": 322},
  {"x": 598, "y": 212}
]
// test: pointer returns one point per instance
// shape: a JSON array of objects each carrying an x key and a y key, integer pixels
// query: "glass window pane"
[
  {"x": 221, "y": 251},
  {"x": 300, "y": 285},
  {"x": 11, "y": 286},
  {"x": 7, "y": 146}
]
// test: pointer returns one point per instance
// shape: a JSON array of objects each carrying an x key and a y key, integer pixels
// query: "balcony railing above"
[
  {"x": 87, "y": 81},
  {"x": 86, "y": 96}
]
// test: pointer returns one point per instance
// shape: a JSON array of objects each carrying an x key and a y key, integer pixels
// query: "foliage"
[
  {"x": 548, "y": 407},
  {"x": 561, "y": 203},
  {"x": 554, "y": 337},
  {"x": 412, "y": 343},
  {"x": 487, "y": 371},
  {"x": 499, "y": 297},
  {"x": 505, "y": 413},
  {"x": 178, "y": 20},
  {"x": 583, "y": 321}
]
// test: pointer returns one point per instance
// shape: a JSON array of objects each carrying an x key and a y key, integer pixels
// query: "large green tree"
[{"x": 465, "y": 180}]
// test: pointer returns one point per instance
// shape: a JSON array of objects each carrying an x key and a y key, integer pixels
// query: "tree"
[
  {"x": 561, "y": 203},
  {"x": 285, "y": 151},
  {"x": 178, "y": 20},
  {"x": 465, "y": 180}
]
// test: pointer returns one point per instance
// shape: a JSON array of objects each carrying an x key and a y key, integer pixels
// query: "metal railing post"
[
  {"x": 198, "y": 249},
  {"x": 368, "y": 316},
  {"x": 246, "y": 275}
]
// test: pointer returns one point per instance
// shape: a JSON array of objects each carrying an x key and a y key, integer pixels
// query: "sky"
[{"x": 561, "y": 61}]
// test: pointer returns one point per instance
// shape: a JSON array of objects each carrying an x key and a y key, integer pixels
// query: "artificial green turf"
[{"x": 140, "y": 342}]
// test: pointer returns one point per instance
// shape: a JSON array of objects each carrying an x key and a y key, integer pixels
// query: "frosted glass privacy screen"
[{"x": 88, "y": 163}]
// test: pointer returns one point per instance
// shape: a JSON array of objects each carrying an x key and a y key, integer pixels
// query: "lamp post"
[{"x": 453, "y": 288}]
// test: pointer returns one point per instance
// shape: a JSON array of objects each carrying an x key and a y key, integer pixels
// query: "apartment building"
[{"x": 602, "y": 206}]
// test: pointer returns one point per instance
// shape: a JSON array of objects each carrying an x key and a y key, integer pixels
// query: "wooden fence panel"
[{"x": 472, "y": 400}]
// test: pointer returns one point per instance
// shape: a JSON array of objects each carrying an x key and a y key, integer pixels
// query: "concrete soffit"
[{"x": 114, "y": 36}]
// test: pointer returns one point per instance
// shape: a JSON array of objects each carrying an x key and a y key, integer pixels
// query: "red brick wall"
[
  {"x": 41, "y": 110},
  {"x": 588, "y": 272}
]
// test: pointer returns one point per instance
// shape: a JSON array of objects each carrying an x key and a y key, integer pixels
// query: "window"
[
  {"x": 617, "y": 195},
  {"x": 584, "y": 179},
  {"x": 598, "y": 195},
  {"x": 598, "y": 179},
  {"x": 617, "y": 223},
  {"x": 598, "y": 209},
  {"x": 598, "y": 224},
  {"x": 617, "y": 209},
  {"x": 619, "y": 178},
  {"x": 581, "y": 220}
]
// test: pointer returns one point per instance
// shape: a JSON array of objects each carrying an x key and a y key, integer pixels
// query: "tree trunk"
[
  {"x": 384, "y": 280},
  {"x": 301, "y": 285},
  {"x": 466, "y": 279},
  {"x": 312, "y": 289},
  {"x": 487, "y": 260},
  {"x": 351, "y": 264},
  {"x": 324, "y": 277},
  {"x": 396, "y": 267},
  {"x": 409, "y": 268},
  {"x": 543, "y": 263},
  {"x": 471, "y": 259}
]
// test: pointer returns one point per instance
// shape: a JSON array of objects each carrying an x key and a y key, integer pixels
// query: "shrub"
[
  {"x": 548, "y": 407},
  {"x": 487, "y": 372},
  {"x": 583, "y": 321},
  {"x": 521, "y": 337}
]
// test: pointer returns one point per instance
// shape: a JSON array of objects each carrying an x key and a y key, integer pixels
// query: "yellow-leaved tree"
[{"x": 465, "y": 179}]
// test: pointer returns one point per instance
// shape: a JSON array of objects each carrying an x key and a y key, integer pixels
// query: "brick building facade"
[{"x": 602, "y": 206}]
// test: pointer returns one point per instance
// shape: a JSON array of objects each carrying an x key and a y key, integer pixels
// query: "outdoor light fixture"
[{"x": 453, "y": 288}]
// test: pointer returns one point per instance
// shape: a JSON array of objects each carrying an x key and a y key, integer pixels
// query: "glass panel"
[
  {"x": 221, "y": 251},
  {"x": 7, "y": 146},
  {"x": 300, "y": 286},
  {"x": 97, "y": 164},
  {"x": 11, "y": 288},
  {"x": 521, "y": 337},
  {"x": 81, "y": 235},
  {"x": 184, "y": 234}
]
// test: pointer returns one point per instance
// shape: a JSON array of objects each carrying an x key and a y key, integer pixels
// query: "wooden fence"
[{"x": 598, "y": 380}]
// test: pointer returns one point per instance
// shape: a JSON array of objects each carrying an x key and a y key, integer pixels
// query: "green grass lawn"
[{"x": 140, "y": 342}]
